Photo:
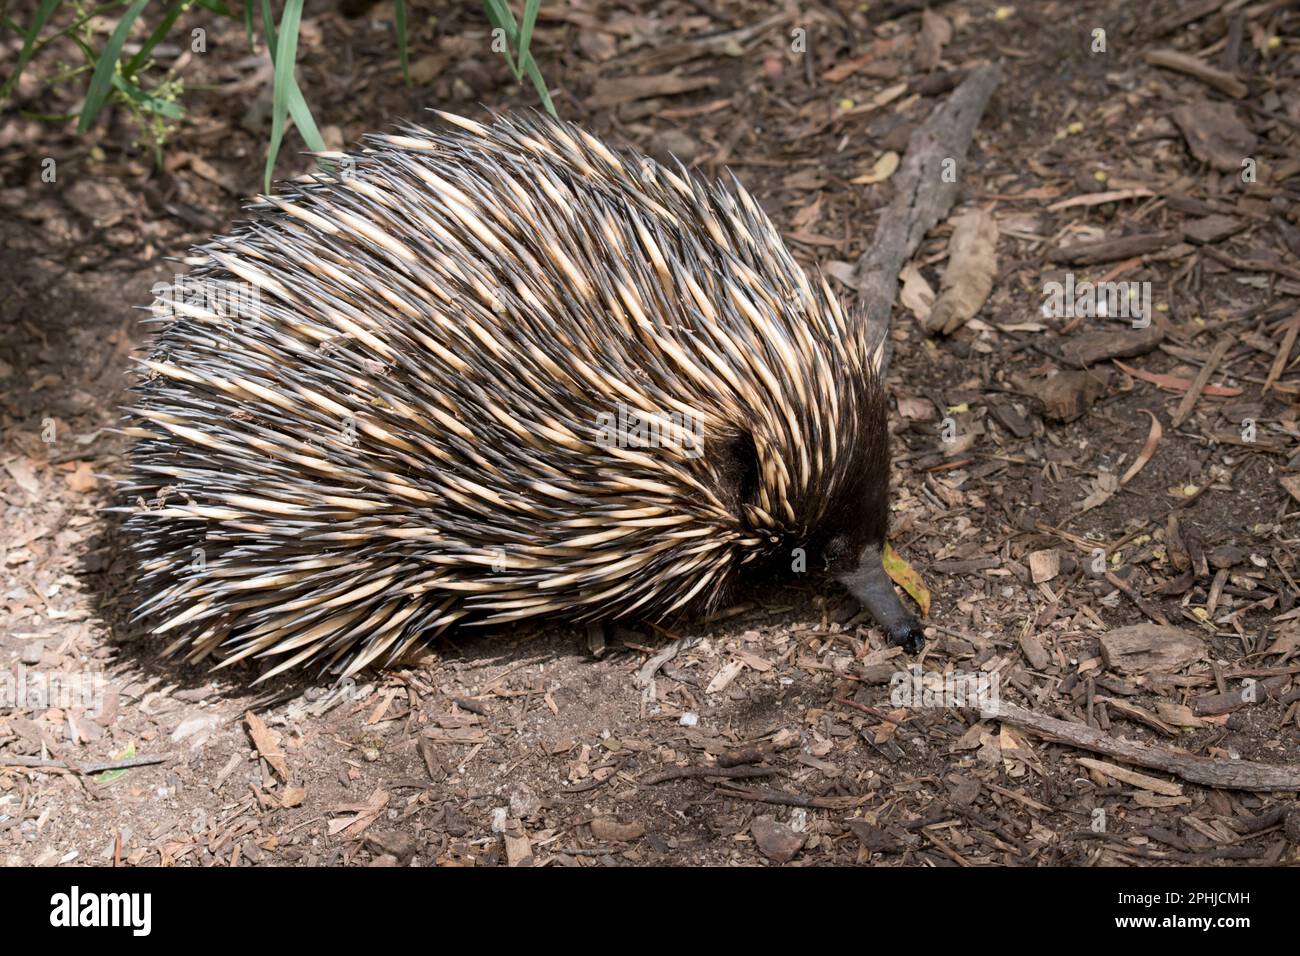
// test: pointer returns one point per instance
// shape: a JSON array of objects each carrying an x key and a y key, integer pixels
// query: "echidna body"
[{"x": 489, "y": 373}]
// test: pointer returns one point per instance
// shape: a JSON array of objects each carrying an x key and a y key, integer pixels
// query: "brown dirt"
[{"x": 518, "y": 745}]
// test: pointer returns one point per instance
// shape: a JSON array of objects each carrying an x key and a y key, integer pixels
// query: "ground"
[{"x": 1058, "y": 518}]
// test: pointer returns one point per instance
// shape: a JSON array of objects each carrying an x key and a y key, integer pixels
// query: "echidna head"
[
  {"x": 865, "y": 578},
  {"x": 858, "y": 524}
]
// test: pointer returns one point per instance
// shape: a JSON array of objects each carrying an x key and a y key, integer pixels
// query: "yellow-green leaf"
[
  {"x": 883, "y": 169},
  {"x": 108, "y": 776},
  {"x": 902, "y": 574}
]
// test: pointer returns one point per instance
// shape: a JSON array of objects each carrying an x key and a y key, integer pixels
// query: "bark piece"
[
  {"x": 1112, "y": 250},
  {"x": 610, "y": 830},
  {"x": 1207, "y": 771},
  {"x": 1221, "y": 80},
  {"x": 923, "y": 195},
  {"x": 1044, "y": 565},
  {"x": 1213, "y": 228},
  {"x": 1150, "y": 648},
  {"x": 1215, "y": 134},
  {"x": 1102, "y": 346}
]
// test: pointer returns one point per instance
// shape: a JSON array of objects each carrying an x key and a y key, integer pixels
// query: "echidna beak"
[{"x": 871, "y": 586}]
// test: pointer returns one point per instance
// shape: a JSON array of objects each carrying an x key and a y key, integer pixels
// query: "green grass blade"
[
  {"x": 159, "y": 32},
  {"x": 268, "y": 26},
  {"x": 501, "y": 18},
  {"x": 403, "y": 51},
  {"x": 43, "y": 13},
  {"x": 101, "y": 81},
  {"x": 218, "y": 7},
  {"x": 539, "y": 84},
  {"x": 526, "y": 31},
  {"x": 304, "y": 121},
  {"x": 286, "y": 53},
  {"x": 298, "y": 108}
]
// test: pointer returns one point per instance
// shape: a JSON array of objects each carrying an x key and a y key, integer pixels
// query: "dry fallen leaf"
[
  {"x": 1149, "y": 449},
  {"x": 883, "y": 169},
  {"x": 916, "y": 409},
  {"x": 1173, "y": 383},
  {"x": 972, "y": 267},
  {"x": 936, "y": 31},
  {"x": 25, "y": 475},
  {"x": 916, "y": 296},
  {"x": 363, "y": 815},
  {"x": 82, "y": 479}
]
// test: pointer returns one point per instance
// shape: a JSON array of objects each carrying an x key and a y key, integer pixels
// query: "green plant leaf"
[
  {"x": 108, "y": 776},
  {"x": 905, "y": 576},
  {"x": 298, "y": 108},
  {"x": 539, "y": 84},
  {"x": 519, "y": 39},
  {"x": 168, "y": 108},
  {"x": 286, "y": 55},
  {"x": 501, "y": 18},
  {"x": 43, "y": 13},
  {"x": 101, "y": 81},
  {"x": 159, "y": 32},
  {"x": 403, "y": 51},
  {"x": 526, "y": 32}
]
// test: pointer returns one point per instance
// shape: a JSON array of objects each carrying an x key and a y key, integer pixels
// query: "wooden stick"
[
  {"x": 40, "y": 763},
  {"x": 1283, "y": 353},
  {"x": 1221, "y": 80},
  {"x": 1207, "y": 771},
  {"x": 1202, "y": 377},
  {"x": 922, "y": 195}
]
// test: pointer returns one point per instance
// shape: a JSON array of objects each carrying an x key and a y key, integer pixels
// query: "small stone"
[
  {"x": 1034, "y": 652},
  {"x": 608, "y": 829},
  {"x": 395, "y": 843},
  {"x": 776, "y": 841},
  {"x": 1068, "y": 395},
  {"x": 200, "y": 727},
  {"x": 1226, "y": 556}
]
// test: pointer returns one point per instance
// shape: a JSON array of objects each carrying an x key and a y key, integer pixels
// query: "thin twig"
[{"x": 38, "y": 763}]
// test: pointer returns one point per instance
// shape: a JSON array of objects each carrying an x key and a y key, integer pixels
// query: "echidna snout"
[
  {"x": 870, "y": 584},
  {"x": 466, "y": 378}
]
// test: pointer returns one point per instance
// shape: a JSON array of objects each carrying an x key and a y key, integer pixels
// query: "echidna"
[{"x": 489, "y": 373}]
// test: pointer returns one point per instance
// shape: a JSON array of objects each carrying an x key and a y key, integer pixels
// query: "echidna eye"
[{"x": 837, "y": 551}]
